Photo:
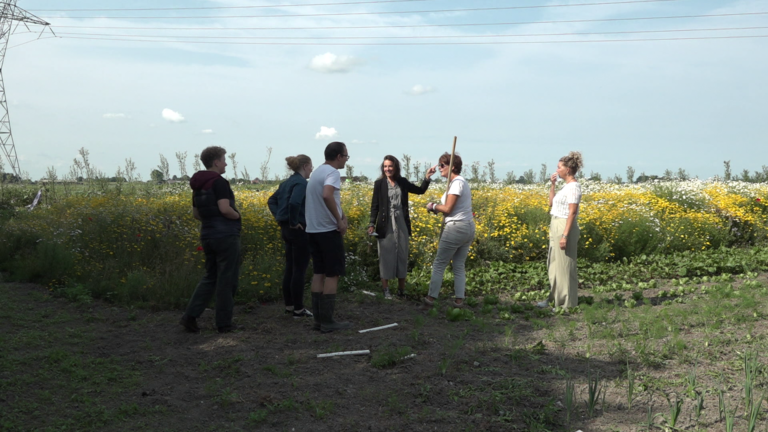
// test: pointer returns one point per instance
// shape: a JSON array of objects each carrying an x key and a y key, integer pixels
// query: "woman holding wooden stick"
[
  {"x": 458, "y": 232},
  {"x": 564, "y": 234}
]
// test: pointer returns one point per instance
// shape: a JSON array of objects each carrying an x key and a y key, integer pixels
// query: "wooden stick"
[
  {"x": 448, "y": 188},
  {"x": 363, "y": 352},
  {"x": 378, "y": 328}
]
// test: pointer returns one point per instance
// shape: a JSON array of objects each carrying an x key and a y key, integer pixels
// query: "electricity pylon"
[{"x": 11, "y": 16}]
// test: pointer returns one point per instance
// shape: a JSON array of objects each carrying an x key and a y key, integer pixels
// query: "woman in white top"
[
  {"x": 458, "y": 234},
  {"x": 564, "y": 234}
]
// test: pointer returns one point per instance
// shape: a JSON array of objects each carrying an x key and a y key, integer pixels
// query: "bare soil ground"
[{"x": 93, "y": 366}]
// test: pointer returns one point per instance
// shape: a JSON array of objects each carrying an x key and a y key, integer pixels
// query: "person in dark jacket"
[
  {"x": 391, "y": 222},
  {"x": 213, "y": 204},
  {"x": 287, "y": 206}
]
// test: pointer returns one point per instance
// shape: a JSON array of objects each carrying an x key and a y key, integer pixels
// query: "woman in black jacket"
[{"x": 391, "y": 221}]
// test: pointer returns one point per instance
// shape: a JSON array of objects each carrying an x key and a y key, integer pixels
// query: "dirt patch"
[{"x": 92, "y": 366}]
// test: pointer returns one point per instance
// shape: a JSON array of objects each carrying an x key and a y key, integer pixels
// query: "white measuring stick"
[
  {"x": 378, "y": 328},
  {"x": 344, "y": 353},
  {"x": 368, "y": 292},
  {"x": 409, "y": 357}
]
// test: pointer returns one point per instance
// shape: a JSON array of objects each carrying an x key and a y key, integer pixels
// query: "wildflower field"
[
  {"x": 670, "y": 332},
  {"x": 138, "y": 244}
]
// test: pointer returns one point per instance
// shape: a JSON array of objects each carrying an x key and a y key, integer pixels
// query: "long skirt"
[
  {"x": 561, "y": 265},
  {"x": 393, "y": 249}
]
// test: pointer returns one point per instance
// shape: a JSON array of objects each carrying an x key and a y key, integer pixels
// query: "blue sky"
[{"x": 654, "y": 105}]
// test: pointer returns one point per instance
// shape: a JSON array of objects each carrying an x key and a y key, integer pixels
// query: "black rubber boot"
[
  {"x": 327, "y": 324},
  {"x": 316, "y": 309}
]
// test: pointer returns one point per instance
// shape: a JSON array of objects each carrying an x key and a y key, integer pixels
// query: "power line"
[
  {"x": 483, "y": 9},
  {"x": 424, "y": 25},
  {"x": 424, "y": 43},
  {"x": 284, "y": 5},
  {"x": 421, "y": 37}
]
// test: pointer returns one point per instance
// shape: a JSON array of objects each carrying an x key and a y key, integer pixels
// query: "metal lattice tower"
[{"x": 11, "y": 16}]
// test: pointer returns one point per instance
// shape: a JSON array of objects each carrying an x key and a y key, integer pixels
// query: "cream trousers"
[{"x": 561, "y": 265}]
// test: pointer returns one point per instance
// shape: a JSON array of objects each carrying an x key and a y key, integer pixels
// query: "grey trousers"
[
  {"x": 453, "y": 248},
  {"x": 222, "y": 272}
]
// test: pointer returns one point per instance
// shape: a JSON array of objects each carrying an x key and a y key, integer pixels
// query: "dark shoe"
[
  {"x": 327, "y": 324},
  {"x": 288, "y": 312},
  {"x": 230, "y": 328},
  {"x": 190, "y": 324},
  {"x": 316, "y": 309},
  {"x": 400, "y": 292},
  {"x": 303, "y": 314},
  {"x": 427, "y": 301},
  {"x": 461, "y": 305}
]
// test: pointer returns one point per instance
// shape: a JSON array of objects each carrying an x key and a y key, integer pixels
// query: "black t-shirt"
[{"x": 220, "y": 226}]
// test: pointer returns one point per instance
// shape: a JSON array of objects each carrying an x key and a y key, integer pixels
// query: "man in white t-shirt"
[{"x": 326, "y": 226}]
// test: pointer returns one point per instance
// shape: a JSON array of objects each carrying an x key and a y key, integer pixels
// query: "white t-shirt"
[
  {"x": 462, "y": 210},
  {"x": 319, "y": 218},
  {"x": 569, "y": 194}
]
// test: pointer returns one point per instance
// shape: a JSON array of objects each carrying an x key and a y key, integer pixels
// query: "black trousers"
[
  {"x": 296, "y": 262},
  {"x": 222, "y": 272}
]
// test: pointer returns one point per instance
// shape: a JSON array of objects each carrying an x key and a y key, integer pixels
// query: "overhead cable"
[
  {"x": 283, "y": 5},
  {"x": 326, "y": 14},
  {"x": 421, "y": 43},
  {"x": 423, "y": 36},
  {"x": 425, "y": 25}
]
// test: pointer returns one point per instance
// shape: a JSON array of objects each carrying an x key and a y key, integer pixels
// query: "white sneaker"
[{"x": 542, "y": 304}]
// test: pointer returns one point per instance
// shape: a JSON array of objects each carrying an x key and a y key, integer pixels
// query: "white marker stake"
[
  {"x": 409, "y": 357},
  {"x": 344, "y": 353},
  {"x": 368, "y": 292},
  {"x": 378, "y": 328}
]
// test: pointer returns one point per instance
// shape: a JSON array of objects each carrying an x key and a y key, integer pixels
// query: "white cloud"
[
  {"x": 114, "y": 116},
  {"x": 207, "y": 131},
  {"x": 326, "y": 133},
  {"x": 172, "y": 116},
  {"x": 330, "y": 63},
  {"x": 419, "y": 90}
]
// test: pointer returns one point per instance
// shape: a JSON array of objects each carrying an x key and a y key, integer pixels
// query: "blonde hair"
[
  {"x": 296, "y": 162},
  {"x": 573, "y": 162}
]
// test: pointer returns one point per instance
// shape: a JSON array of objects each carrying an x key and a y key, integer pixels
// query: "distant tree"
[
  {"x": 543, "y": 174},
  {"x": 233, "y": 162},
  {"x": 630, "y": 174},
  {"x": 616, "y": 179},
  {"x": 529, "y": 177},
  {"x": 196, "y": 163},
  {"x": 157, "y": 176},
  {"x": 406, "y": 166},
  {"x": 246, "y": 175},
  {"x": 164, "y": 167},
  {"x": 727, "y": 173},
  {"x": 130, "y": 170},
  {"x": 491, "y": 167},
  {"x": 745, "y": 175},
  {"x": 595, "y": 176},
  {"x": 264, "y": 168},
  {"x": 181, "y": 158},
  {"x": 474, "y": 171},
  {"x": 510, "y": 178},
  {"x": 350, "y": 172},
  {"x": 417, "y": 171},
  {"x": 682, "y": 174}
]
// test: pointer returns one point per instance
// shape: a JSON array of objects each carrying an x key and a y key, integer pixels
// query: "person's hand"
[
  {"x": 370, "y": 230},
  {"x": 298, "y": 226},
  {"x": 431, "y": 207},
  {"x": 431, "y": 171},
  {"x": 341, "y": 226},
  {"x": 563, "y": 243},
  {"x": 553, "y": 178}
]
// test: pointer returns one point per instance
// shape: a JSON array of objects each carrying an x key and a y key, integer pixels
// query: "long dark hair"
[{"x": 395, "y": 162}]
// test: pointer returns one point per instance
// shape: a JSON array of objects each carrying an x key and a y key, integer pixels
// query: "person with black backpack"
[{"x": 213, "y": 204}]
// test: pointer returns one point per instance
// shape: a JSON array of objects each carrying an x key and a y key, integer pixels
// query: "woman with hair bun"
[
  {"x": 287, "y": 206},
  {"x": 391, "y": 221},
  {"x": 458, "y": 233},
  {"x": 564, "y": 234}
]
